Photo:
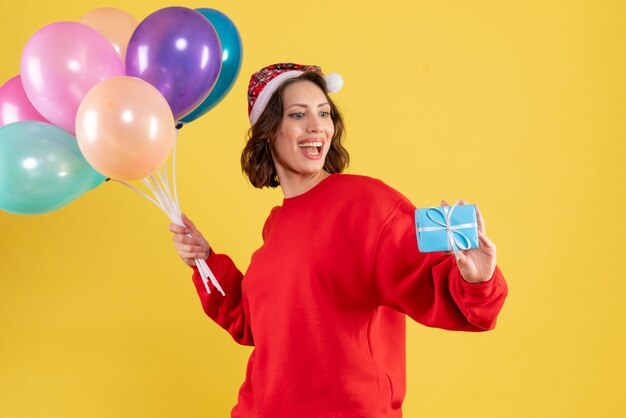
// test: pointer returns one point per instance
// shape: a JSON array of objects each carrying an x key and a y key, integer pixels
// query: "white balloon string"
[
  {"x": 165, "y": 188},
  {"x": 157, "y": 204},
  {"x": 159, "y": 190},
  {"x": 168, "y": 189},
  {"x": 166, "y": 180},
  {"x": 168, "y": 203},
  {"x": 174, "y": 169},
  {"x": 158, "y": 196},
  {"x": 147, "y": 183},
  {"x": 203, "y": 273},
  {"x": 209, "y": 273},
  {"x": 159, "y": 173}
]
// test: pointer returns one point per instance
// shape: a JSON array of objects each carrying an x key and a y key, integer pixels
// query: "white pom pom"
[{"x": 334, "y": 82}]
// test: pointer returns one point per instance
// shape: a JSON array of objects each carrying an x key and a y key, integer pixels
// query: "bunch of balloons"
[{"x": 102, "y": 98}]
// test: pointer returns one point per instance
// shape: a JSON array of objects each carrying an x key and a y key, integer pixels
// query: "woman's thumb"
[{"x": 187, "y": 222}]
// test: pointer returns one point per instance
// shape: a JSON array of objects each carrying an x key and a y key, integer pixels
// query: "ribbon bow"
[{"x": 453, "y": 232}]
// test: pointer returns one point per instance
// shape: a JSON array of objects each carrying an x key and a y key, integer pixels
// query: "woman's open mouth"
[{"x": 312, "y": 148}]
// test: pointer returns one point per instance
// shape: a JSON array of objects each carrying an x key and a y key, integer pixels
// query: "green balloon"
[{"x": 41, "y": 168}]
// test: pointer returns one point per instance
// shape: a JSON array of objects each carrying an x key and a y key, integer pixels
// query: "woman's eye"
[
  {"x": 324, "y": 114},
  {"x": 297, "y": 115}
]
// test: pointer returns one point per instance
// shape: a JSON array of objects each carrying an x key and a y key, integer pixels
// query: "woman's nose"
[{"x": 314, "y": 123}]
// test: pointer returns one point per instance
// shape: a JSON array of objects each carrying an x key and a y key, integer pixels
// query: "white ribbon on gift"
[{"x": 453, "y": 242}]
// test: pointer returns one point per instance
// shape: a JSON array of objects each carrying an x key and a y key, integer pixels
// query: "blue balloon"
[
  {"x": 231, "y": 61},
  {"x": 41, "y": 168}
]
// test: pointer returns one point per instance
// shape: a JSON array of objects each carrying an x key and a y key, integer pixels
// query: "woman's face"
[{"x": 305, "y": 133}]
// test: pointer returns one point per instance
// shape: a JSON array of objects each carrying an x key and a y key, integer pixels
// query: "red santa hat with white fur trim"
[{"x": 266, "y": 81}]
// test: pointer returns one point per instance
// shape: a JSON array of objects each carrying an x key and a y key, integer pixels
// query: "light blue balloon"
[
  {"x": 231, "y": 61},
  {"x": 41, "y": 168}
]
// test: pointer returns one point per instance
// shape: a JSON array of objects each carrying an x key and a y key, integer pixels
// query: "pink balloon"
[
  {"x": 60, "y": 63},
  {"x": 14, "y": 104}
]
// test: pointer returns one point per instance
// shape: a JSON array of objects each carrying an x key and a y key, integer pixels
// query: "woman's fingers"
[
  {"x": 190, "y": 245},
  {"x": 185, "y": 255},
  {"x": 178, "y": 229},
  {"x": 187, "y": 228},
  {"x": 190, "y": 259},
  {"x": 191, "y": 251},
  {"x": 189, "y": 242},
  {"x": 193, "y": 231},
  {"x": 444, "y": 203},
  {"x": 188, "y": 223},
  {"x": 485, "y": 242},
  {"x": 190, "y": 248},
  {"x": 480, "y": 222},
  {"x": 186, "y": 239}
]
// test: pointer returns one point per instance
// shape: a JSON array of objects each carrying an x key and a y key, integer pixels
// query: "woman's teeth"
[{"x": 316, "y": 146}]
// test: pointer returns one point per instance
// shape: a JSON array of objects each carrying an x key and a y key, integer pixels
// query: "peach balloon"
[
  {"x": 114, "y": 24},
  {"x": 125, "y": 128}
]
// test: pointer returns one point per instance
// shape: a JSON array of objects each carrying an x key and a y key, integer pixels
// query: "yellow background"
[{"x": 516, "y": 106}]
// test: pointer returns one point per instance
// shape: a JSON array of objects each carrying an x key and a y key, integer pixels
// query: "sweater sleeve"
[
  {"x": 227, "y": 311},
  {"x": 428, "y": 287},
  {"x": 230, "y": 311}
]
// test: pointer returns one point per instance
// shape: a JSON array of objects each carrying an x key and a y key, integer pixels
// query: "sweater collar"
[{"x": 310, "y": 194}]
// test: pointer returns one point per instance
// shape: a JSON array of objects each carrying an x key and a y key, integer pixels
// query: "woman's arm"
[
  {"x": 430, "y": 287},
  {"x": 227, "y": 311}
]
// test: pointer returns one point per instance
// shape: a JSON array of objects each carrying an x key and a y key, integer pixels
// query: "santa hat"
[{"x": 267, "y": 80}]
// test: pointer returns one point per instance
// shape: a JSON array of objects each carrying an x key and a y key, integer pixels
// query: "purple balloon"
[{"x": 178, "y": 51}]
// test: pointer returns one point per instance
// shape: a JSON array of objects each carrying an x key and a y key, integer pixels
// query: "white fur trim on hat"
[
  {"x": 334, "y": 83},
  {"x": 264, "y": 96}
]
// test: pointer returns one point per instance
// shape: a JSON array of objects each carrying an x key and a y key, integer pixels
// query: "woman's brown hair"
[{"x": 256, "y": 158}]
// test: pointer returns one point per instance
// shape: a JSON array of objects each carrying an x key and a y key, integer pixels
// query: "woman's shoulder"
[
  {"x": 364, "y": 184},
  {"x": 269, "y": 222},
  {"x": 368, "y": 189}
]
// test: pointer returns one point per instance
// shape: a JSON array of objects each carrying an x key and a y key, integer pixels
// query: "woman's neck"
[{"x": 297, "y": 184}]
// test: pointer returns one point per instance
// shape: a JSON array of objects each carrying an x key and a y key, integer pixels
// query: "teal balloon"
[
  {"x": 231, "y": 61},
  {"x": 41, "y": 168}
]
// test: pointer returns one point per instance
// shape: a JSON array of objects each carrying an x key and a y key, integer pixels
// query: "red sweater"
[{"x": 324, "y": 302}]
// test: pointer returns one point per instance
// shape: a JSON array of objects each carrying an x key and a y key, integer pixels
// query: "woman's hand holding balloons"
[
  {"x": 121, "y": 87},
  {"x": 189, "y": 242},
  {"x": 73, "y": 75}
]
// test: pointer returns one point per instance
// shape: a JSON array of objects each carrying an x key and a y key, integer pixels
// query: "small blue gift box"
[{"x": 446, "y": 228}]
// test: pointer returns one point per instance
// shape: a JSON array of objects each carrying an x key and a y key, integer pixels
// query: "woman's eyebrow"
[{"x": 305, "y": 106}]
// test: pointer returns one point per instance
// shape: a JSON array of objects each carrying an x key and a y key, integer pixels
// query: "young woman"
[{"x": 324, "y": 299}]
